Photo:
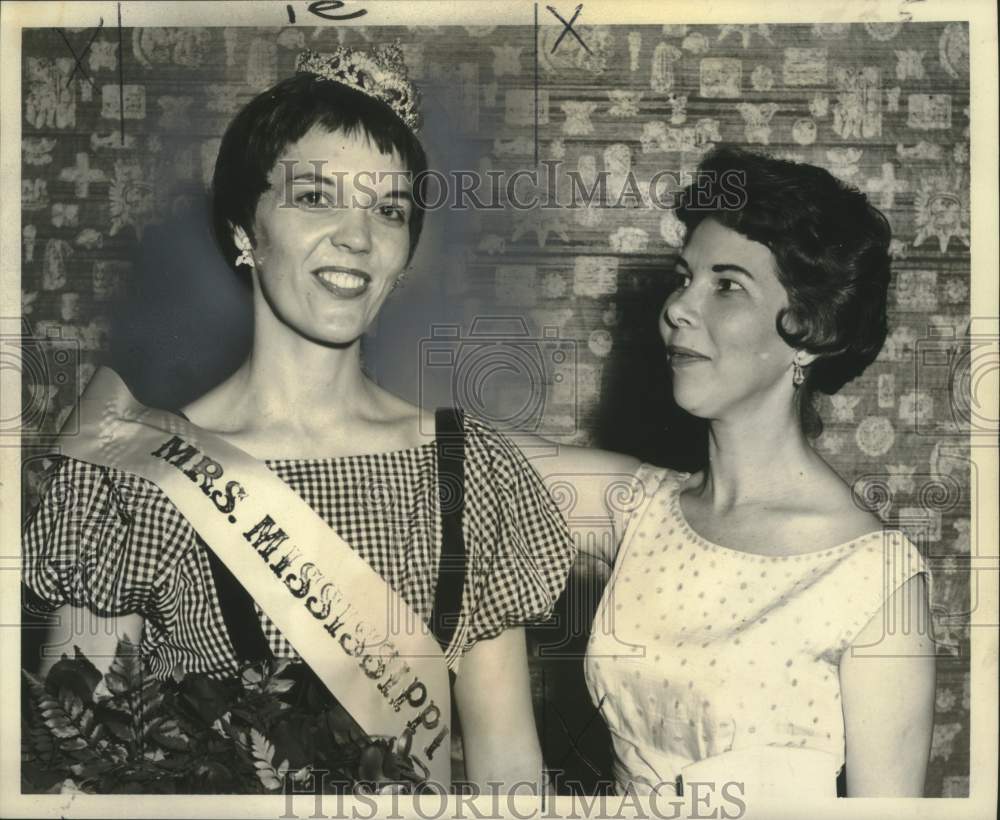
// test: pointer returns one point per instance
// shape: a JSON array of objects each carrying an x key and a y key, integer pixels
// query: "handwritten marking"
[
  {"x": 568, "y": 28},
  {"x": 321, "y": 8},
  {"x": 536, "y": 88},
  {"x": 573, "y": 741},
  {"x": 121, "y": 78},
  {"x": 79, "y": 65},
  {"x": 545, "y": 696}
]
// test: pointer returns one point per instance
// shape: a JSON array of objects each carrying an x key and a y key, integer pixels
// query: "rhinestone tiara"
[{"x": 379, "y": 73}]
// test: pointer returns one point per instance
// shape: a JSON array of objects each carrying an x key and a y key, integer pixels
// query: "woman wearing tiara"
[
  {"x": 314, "y": 201},
  {"x": 759, "y": 628}
]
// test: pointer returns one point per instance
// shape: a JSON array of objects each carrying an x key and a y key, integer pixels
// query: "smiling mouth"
[
  {"x": 679, "y": 356},
  {"x": 347, "y": 283}
]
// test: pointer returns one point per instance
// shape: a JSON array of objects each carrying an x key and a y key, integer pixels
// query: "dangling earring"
[
  {"x": 243, "y": 244},
  {"x": 798, "y": 374}
]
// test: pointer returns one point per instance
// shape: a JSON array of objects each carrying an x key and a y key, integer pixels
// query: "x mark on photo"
[
  {"x": 568, "y": 27},
  {"x": 79, "y": 60}
]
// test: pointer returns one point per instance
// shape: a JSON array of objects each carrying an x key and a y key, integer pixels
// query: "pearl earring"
[{"x": 244, "y": 247}]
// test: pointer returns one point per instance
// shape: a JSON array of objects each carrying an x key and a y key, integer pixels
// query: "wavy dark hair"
[
  {"x": 831, "y": 246},
  {"x": 282, "y": 115}
]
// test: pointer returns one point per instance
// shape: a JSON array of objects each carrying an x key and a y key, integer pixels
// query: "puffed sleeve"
[
  {"x": 94, "y": 540},
  {"x": 518, "y": 545}
]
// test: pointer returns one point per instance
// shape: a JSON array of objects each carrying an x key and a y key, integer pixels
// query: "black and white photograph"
[{"x": 435, "y": 409}]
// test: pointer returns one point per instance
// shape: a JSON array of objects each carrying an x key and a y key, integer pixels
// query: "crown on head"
[{"x": 379, "y": 73}]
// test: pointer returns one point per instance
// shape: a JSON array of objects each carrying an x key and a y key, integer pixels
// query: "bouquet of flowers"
[{"x": 129, "y": 732}]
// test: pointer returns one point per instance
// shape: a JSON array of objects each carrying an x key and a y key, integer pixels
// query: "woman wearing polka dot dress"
[{"x": 760, "y": 631}]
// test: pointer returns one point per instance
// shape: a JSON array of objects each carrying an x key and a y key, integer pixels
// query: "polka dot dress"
[{"x": 699, "y": 649}]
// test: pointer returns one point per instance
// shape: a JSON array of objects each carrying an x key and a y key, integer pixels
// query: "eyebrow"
[
  {"x": 398, "y": 194},
  {"x": 308, "y": 176},
  {"x": 720, "y": 268}
]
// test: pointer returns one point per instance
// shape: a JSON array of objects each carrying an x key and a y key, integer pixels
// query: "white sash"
[{"x": 357, "y": 633}]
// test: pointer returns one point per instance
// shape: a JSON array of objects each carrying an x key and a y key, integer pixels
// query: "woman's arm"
[
  {"x": 493, "y": 695},
  {"x": 96, "y": 636},
  {"x": 887, "y": 686},
  {"x": 598, "y": 479}
]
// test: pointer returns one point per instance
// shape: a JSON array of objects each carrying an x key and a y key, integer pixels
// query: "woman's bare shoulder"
[
  {"x": 401, "y": 417},
  {"x": 828, "y": 505},
  {"x": 217, "y": 408},
  {"x": 552, "y": 459}
]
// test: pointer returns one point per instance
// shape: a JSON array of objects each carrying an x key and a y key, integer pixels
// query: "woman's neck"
[
  {"x": 757, "y": 457},
  {"x": 292, "y": 383}
]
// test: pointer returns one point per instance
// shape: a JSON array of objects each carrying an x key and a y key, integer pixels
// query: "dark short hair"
[
  {"x": 830, "y": 243},
  {"x": 282, "y": 115}
]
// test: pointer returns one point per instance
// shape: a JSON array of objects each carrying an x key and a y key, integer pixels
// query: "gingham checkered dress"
[{"x": 115, "y": 544}]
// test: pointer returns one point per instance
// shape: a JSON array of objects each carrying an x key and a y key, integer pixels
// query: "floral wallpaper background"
[{"x": 118, "y": 265}]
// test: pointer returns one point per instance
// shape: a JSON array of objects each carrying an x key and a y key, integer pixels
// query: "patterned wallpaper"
[{"x": 118, "y": 266}]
